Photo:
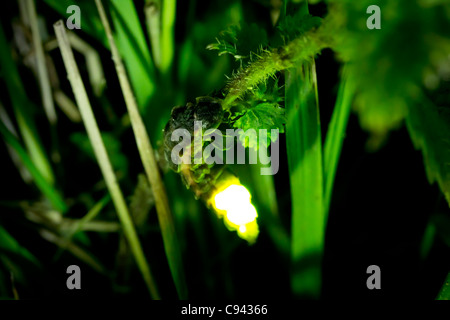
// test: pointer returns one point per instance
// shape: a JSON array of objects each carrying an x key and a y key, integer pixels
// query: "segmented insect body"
[
  {"x": 199, "y": 178},
  {"x": 219, "y": 188}
]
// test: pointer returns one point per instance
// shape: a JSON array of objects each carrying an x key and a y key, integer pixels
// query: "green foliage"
[
  {"x": 291, "y": 27},
  {"x": 118, "y": 159},
  {"x": 9, "y": 244},
  {"x": 141, "y": 201},
  {"x": 134, "y": 50},
  {"x": 90, "y": 20},
  {"x": 241, "y": 42},
  {"x": 429, "y": 128},
  {"x": 262, "y": 116},
  {"x": 260, "y": 109},
  {"x": 387, "y": 64}
]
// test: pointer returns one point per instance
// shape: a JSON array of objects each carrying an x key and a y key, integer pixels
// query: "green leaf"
[
  {"x": 304, "y": 151},
  {"x": 387, "y": 64},
  {"x": 266, "y": 116},
  {"x": 429, "y": 129}
]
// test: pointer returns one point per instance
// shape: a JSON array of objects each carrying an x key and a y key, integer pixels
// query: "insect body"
[
  {"x": 198, "y": 177},
  {"x": 217, "y": 187}
]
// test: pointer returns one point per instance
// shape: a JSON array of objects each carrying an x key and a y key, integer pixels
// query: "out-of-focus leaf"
[
  {"x": 118, "y": 160},
  {"x": 429, "y": 129},
  {"x": 10, "y": 245},
  {"x": 441, "y": 223},
  {"x": 388, "y": 63},
  {"x": 293, "y": 26}
]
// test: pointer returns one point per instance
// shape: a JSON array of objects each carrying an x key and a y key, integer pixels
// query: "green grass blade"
[
  {"x": 9, "y": 244},
  {"x": 152, "y": 11},
  {"x": 171, "y": 245},
  {"x": 304, "y": 150},
  {"x": 167, "y": 34},
  {"x": 44, "y": 80},
  {"x": 47, "y": 189},
  {"x": 22, "y": 106},
  {"x": 102, "y": 157},
  {"x": 336, "y": 134},
  {"x": 265, "y": 194},
  {"x": 90, "y": 22},
  {"x": 133, "y": 48}
]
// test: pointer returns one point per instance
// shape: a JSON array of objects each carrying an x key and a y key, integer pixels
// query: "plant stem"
[
  {"x": 102, "y": 156},
  {"x": 271, "y": 62},
  {"x": 150, "y": 165}
]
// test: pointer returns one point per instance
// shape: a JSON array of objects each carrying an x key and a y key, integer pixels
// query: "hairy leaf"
[{"x": 263, "y": 116}]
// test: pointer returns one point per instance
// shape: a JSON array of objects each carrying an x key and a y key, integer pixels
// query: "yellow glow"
[
  {"x": 241, "y": 215},
  {"x": 232, "y": 197},
  {"x": 234, "y": 204}
]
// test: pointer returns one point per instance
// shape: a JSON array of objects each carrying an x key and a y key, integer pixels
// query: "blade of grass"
[
  {"x": 44, "y": 81},
  {"x": 336, "y": 134},
  {"x": 266, "y": 196},
  {"x": 92, "y": 213},
  {"x": 9, "y": 244},
  {"x": 304, "y": 150},
  {"x": 102, "y": 156},
  {"x": 74, "y": 249},
  {"x": 24, "y": 173},
  {"x": 133, "y": 48},
  {"x": 146, "y": 152},
  {"x": 47, "y": 189},
  {"x": 167, "y": 34},
  {"x": 22, "y": 110},
  {"x": 93, "y": 62},
  {"x": 152, "y": 11}
]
